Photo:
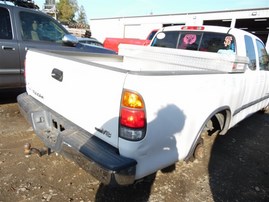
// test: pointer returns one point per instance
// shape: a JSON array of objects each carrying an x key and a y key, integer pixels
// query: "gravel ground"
[{"x": 236, "y": 169}]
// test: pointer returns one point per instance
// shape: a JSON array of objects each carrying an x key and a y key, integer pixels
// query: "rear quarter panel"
[{"x": 176, "y": 108}]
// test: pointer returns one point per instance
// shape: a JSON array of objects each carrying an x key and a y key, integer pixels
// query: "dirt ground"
[{"x": 237, "y": 169}]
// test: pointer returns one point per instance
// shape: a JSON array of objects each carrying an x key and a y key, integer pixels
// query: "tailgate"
[{"x": 86, "y": 94}]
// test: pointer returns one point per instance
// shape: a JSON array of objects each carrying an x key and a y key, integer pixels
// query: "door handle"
[
  {"x": 8, "y": 48},
  {"x": 57, "y": 74}
]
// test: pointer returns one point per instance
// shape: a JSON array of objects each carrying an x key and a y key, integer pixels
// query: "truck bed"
[{"x": 154, "y": 59}]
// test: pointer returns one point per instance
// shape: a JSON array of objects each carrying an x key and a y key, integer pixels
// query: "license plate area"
[{"x": 47, "y": 127}]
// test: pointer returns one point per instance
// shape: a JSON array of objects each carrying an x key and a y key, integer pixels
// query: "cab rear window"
[{"x": 199, "y": 41}]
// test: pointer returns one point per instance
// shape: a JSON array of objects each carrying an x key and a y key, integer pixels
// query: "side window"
[
  {"x": 250, "y": 52},
  {"x": 218, "y": 43},
  {"x": 166, "y": 40},
  {"x": 189, "y": 40},
  {"x": 5, "y": 24},
  {"x": 40, "y": 28},
  {"x": 263, "y": 56},
  {"x": 152, "y": 35}
]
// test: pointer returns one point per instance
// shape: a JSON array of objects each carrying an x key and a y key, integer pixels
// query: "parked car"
[
  {"x": 22, "y": 29},
  {"x": 113, "y": 43},
  {"x": 90, "y": 41}
]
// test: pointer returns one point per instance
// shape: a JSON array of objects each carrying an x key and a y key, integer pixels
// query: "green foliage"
[
  {"x": 67, "y": 10},
  {"x": 82, "y": 16}
]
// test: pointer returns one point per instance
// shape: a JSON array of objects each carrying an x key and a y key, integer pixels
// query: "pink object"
[{"x": 189, "y": 38}]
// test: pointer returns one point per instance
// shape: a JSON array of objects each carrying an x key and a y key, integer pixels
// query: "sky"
[{"x": 123, "y": 8}]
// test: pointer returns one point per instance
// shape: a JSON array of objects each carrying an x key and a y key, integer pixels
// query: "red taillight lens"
[{"x": 132, "y": 118}]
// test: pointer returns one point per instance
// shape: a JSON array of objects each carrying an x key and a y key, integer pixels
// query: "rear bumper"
[{"x": 95, "y": 156}]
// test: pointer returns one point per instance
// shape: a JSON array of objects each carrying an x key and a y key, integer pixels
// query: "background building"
[{"x": 254, "y": 20}]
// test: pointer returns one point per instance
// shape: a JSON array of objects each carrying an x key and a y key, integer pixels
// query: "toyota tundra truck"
[{"x": 124, "y": 117}]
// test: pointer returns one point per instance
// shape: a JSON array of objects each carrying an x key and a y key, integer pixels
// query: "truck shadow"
[
  {"x": 174, "y": 119},
  {"x": 239, "y": 164},
  {"x": 10, "y": 96},
  {"x": 137, "y": 192}
]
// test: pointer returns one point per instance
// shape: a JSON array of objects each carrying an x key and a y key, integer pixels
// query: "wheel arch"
[{"x": 217, "y": 122}]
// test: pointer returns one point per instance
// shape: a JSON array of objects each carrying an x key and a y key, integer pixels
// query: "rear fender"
[{"x": 217, "y": 122}]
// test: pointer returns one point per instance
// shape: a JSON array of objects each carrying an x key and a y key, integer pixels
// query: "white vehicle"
[{"x": 125, "y": 117}]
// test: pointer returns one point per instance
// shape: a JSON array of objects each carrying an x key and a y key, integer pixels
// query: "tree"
[
  {"x": 66, "y": 10},
  {"x": 82, "y": 18}
]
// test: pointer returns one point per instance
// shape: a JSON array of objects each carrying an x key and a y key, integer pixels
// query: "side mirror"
[{"x": 70, "y": 40}]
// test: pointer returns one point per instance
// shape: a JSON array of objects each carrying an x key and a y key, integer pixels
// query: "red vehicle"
[{"x": 113, "y": 43}]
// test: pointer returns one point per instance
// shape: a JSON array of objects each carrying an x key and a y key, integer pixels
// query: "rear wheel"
[
  {"x": 265, "y": 109},
  {"x": 199, "y": 150},
  {"x": 207, "y": 137}
]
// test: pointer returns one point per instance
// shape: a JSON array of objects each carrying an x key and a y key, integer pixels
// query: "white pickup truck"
[{"x": 123, "y": 117}]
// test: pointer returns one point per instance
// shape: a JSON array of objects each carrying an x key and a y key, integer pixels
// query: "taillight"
[
  {"x": 132, "y": 116},
  {"x": 192, "y": 28}
]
